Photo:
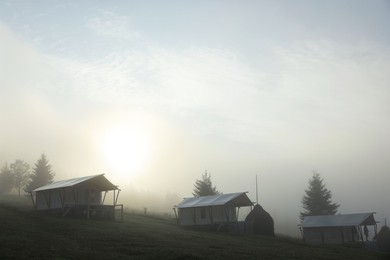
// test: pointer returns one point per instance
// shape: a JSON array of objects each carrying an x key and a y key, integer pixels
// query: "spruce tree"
[
  {"x": 317, "y": 199},
  {"x": 204, "y": 187},
  {"x": 42, "y": 174}
]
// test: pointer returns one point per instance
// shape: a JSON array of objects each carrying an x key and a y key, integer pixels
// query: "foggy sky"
[{"x": 240, "y": 88}]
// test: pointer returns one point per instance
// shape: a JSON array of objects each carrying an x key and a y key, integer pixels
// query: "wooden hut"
[
  {"x": 211, "y": 210},
  {"x": 336, "y": 229},
  {"x": 82, "y": 197}
]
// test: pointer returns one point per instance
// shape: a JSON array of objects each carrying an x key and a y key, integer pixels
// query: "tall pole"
[{"x": 257, "y": 192}]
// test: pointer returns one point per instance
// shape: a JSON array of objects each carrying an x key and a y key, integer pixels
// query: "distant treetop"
[
  {"x": 204, "y": 186},
  {"x": 42, "y": 174},
  {"x": 317, "y": 199}
]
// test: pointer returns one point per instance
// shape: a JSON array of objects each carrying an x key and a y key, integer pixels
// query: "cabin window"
[{"x": 202, "y": 213}]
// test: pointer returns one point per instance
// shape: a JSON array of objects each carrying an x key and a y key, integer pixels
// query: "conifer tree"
[
  {"x": 42, "y": 174},
  {"x": 204, "y": 187},
  {"x": 6, "y": 179},
  {"x": 317, "y": 199}
]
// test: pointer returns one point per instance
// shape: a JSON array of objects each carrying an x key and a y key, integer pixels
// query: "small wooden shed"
[
  {"x": 214, "y": 209},
  {"x": 83, "y": 196},
  {"x": 336, "y": 229}
]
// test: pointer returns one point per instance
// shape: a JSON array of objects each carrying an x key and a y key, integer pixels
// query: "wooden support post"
[
  {"x": 32, "y": 199},
  {"x": 226, "y": 209},
  {"x": 177, "y": 218},
  {"x": 75, "y": 196},
  {"x": 361, "y": 234},
  {"x": 62, "y": 199},
  {"x": 104, "y": 197},
  {"x": 116, "y": 198},
  {"x": 194, "y": 215},
  {"x": 303, "y": 238},
  {"x": 210, "y": 212},
  {"x": 47, "y": 200}
]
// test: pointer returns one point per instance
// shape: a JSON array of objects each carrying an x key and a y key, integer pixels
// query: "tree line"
[
  {"x": 317, "y": 199},
  {"x": 19, "y": 175}
]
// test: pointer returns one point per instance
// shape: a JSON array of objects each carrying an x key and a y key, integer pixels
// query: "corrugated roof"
[
  {"x": 239, "y": 199},
  {"x": 99, "y": 179},
  {"x": 341, "y": 220}
]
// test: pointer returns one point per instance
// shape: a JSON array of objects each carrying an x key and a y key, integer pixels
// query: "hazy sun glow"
[{"x": 126, "y": 149}]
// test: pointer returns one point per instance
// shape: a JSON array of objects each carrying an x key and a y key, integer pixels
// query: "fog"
[{"x": 153, "y": 94}]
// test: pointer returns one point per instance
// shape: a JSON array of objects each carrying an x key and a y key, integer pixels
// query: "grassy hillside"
[{"x": 25, "y": 233}]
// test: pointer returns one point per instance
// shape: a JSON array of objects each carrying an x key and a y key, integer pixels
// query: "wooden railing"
[{"x": 95, "y": 211}]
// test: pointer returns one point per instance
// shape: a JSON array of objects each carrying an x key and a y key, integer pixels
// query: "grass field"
[{"x": 26, "y": 234}]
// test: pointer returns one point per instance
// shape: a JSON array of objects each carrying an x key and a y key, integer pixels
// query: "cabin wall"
[
  {"x": 350, "y": 234},
  {"x": 206, "y": 215},
  {"x": 333, "y": 236},
  {"x": 87, "y": 194},
  {"x": 224, "y": 214},
  {"x": 312, "y": 235},
  {"x": 330, "y": 235},
  {"x": 57, "y": 198},
  {"x": 44, "y": 201}
]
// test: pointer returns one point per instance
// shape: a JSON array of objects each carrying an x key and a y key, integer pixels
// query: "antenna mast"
[{"x": 257, "y": 192}]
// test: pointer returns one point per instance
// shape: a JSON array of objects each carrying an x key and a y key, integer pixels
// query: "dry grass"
[{"x": 29, "y": 234}]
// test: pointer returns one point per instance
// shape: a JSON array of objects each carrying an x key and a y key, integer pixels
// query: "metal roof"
[
  {"x": 239, "y": 199},
  {"x": 341, "y": 220},
  {"x": 99, "y": 180}
]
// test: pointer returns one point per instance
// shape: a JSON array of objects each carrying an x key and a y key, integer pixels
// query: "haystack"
[
  {"x": 383, "y": 239},
  {"x": 263, "y": 224}
]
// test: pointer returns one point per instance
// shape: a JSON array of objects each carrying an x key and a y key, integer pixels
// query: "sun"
[{"x": 126, "y": 149}]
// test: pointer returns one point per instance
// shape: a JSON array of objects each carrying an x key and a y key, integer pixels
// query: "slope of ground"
[{"x": 25, "y": 233}]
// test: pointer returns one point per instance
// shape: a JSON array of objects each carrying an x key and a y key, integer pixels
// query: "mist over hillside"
[{"x": 154, "y": 94}]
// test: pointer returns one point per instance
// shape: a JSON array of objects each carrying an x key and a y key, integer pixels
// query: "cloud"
[
  {"x": 332, "y": 109},
  {"x": 20, "y": 63},
  {"x": 198, "y": 77},
  {"x": 108, "y": 24},
  {"x": 327, "y": 81},
  {"x": 315, "y": 93}
]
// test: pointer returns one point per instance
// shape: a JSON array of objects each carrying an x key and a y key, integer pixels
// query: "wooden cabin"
[
  {"x": 80, "y": 197},
  {"x": 209, "y": 210},
  {"x": 337, "y": 229}
]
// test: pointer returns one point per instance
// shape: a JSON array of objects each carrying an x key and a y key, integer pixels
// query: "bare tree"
[
  {"x": 6, "y": 179},
  {"x": 21, "y": 173}
]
